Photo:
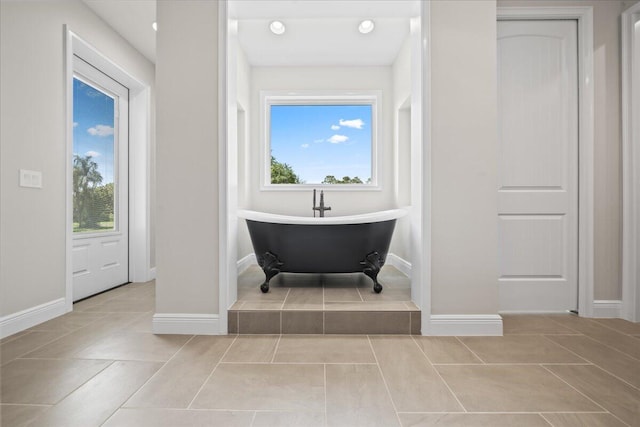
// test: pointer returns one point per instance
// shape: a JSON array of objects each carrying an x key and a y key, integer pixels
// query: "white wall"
[
  {"x": 323, "y": 78},
  {"x": 401, "y": 74},
  {"x": 187, "y": 157},
  {"x": 464, "y": 157},
  {"x": 244, "y": 149},
  {"x": 32, "y": 136}
]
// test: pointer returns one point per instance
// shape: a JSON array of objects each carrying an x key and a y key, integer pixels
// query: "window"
[{"x": 320, "y": 140}]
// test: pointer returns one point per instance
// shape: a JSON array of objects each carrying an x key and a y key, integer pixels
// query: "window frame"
[{"x": 269, "y": 98}]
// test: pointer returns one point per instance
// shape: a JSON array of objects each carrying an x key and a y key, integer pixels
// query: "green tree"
[
  {"x": 330, "y": 179},
  {"x": 282, "y": 173},
  {"x": 85, "y": 180},
  {"x": 103, "y": 203}
]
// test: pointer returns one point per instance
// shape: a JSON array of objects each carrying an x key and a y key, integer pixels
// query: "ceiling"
[
  {"x": 131, "y": 19},
  {"x": 319, "y": 32}
]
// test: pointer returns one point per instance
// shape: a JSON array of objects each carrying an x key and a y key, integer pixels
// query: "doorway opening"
[{"x": 82, "y": 62}]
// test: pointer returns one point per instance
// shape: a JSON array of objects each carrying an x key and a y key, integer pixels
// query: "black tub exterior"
[{"x": 321, "y": 248}]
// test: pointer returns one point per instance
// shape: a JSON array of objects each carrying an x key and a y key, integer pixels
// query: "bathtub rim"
[{"x": 366, "y": 218}]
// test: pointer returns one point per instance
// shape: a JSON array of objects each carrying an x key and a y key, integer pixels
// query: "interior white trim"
[
  {"x": 465, "y": 325},
  {"x": 226, "y": 169},
  {"x": 584, "y": 17},
  {"x": 139, "y": 158},
  {"x": 630, "y": 165},
  {"x": 186, "y": 324},
  {"x": 32, "y": 316},
  {"x": 421, "y": 164},
  {"x": 401, "y": 264},
  {"x": 607, "y": 309},
  {"x": 246, "y": 262}
]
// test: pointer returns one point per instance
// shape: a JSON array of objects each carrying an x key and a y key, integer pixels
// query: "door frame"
[
  {"x": 630, "y": 166},
  {"x": 139, "y": 160},
  {"x": 584, "y": 16},
  {"x": 420, "y": 215}
]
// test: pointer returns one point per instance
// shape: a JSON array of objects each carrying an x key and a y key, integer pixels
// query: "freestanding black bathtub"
[{"x": 348, "y": 244}]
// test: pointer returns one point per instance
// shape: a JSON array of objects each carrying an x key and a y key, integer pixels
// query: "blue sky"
[
  {"x": 321, "y": 140},
  {"x": 93, "y": 124}
]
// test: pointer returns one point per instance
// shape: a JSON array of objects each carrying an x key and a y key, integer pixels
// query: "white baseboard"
[
  {"x": 186, "y": 324},
  {"x": 25, "y": 319},
  {"x": 465, "y": 325},
  {"x": 246, "y": 262},
  {"x": 607, "y": 308},
  {"x": 402, "y": 265}
]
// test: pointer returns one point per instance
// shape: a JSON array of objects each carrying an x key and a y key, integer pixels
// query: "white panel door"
[
  {"x": 100, "y": 249},
  {"x": 538, "y": 179}
]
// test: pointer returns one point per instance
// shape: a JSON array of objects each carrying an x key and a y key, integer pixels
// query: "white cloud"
[
  {"x": 101, "y": 130},
  {"x": 318, "y": 141},
  {"x": 356, "y": 123},
  {"x": 75, "y": 124},
  {"x": 305, "y": 146},
  {"x": 337, "y": 139},
  {"x": 92, "y": 154},
  {"x": 335, "y": 127}
]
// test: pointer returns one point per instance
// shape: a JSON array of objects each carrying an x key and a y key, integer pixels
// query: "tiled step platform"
[{"x": 324, "y": 304}]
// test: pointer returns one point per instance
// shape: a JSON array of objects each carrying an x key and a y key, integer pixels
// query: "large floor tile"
[
  {"x": 512, "y": 388},
  {"x": 532, "y": 324},
  {"x": 72, "y": 343},
  {"x": 614, "y": 395},
  {"x": 255, "y": 294},
  {"x": 304, "y": 299},
  {"x": 69, "y": 322},
  {"x": 621, "y": 325},
  {"x": 580, "y": 420},
  {"x": 263, "y": 387},
  {"x": 619, "y": 364},
  {"x": 26, "y": 343},
  {"x": 20, "y": 415},
  {"x": 14, "y": 336},
  {"x": 336, "y": 294},
  {"x": 367, "y": 322},
  {"x": 414, "y": 384},
  {"x": 288, "y": 419},
  {"x": 252, "y": 349},
  {"x": 519, "y": 349},
  {"x": 324, "y": 349},
  {"x": 45, "y": 381},
  {"x": 178, "y": 418},
  {"x": 101, "y": 396},
  {"x": 445, "y": 350},
  {"x": 357, "y": 396},
  {"x": 473, "y": 420},
  {"x": 135, "y": 346},
  {"x": 179, "y": 380},
  {"x": 387, "y": 294}
]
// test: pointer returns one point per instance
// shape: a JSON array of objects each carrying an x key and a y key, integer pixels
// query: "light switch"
[{"x": 30, "y": 179}]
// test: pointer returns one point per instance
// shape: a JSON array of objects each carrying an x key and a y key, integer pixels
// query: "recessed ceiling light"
[
  {"x": 154, "y": 26},
  {"x": 277, "y": 27},
  {"x": 366, "y": 26}
]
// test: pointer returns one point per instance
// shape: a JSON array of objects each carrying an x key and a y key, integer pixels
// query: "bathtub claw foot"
[
  {"x": 372, "y": 263},
  {"x": 270, "y": 265}
]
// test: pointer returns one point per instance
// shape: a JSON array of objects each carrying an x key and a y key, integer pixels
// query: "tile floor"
[{"x": 101, "y": 366}]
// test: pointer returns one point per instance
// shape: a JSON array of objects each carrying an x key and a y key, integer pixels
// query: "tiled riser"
[{"x": 324, "y": 322}]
